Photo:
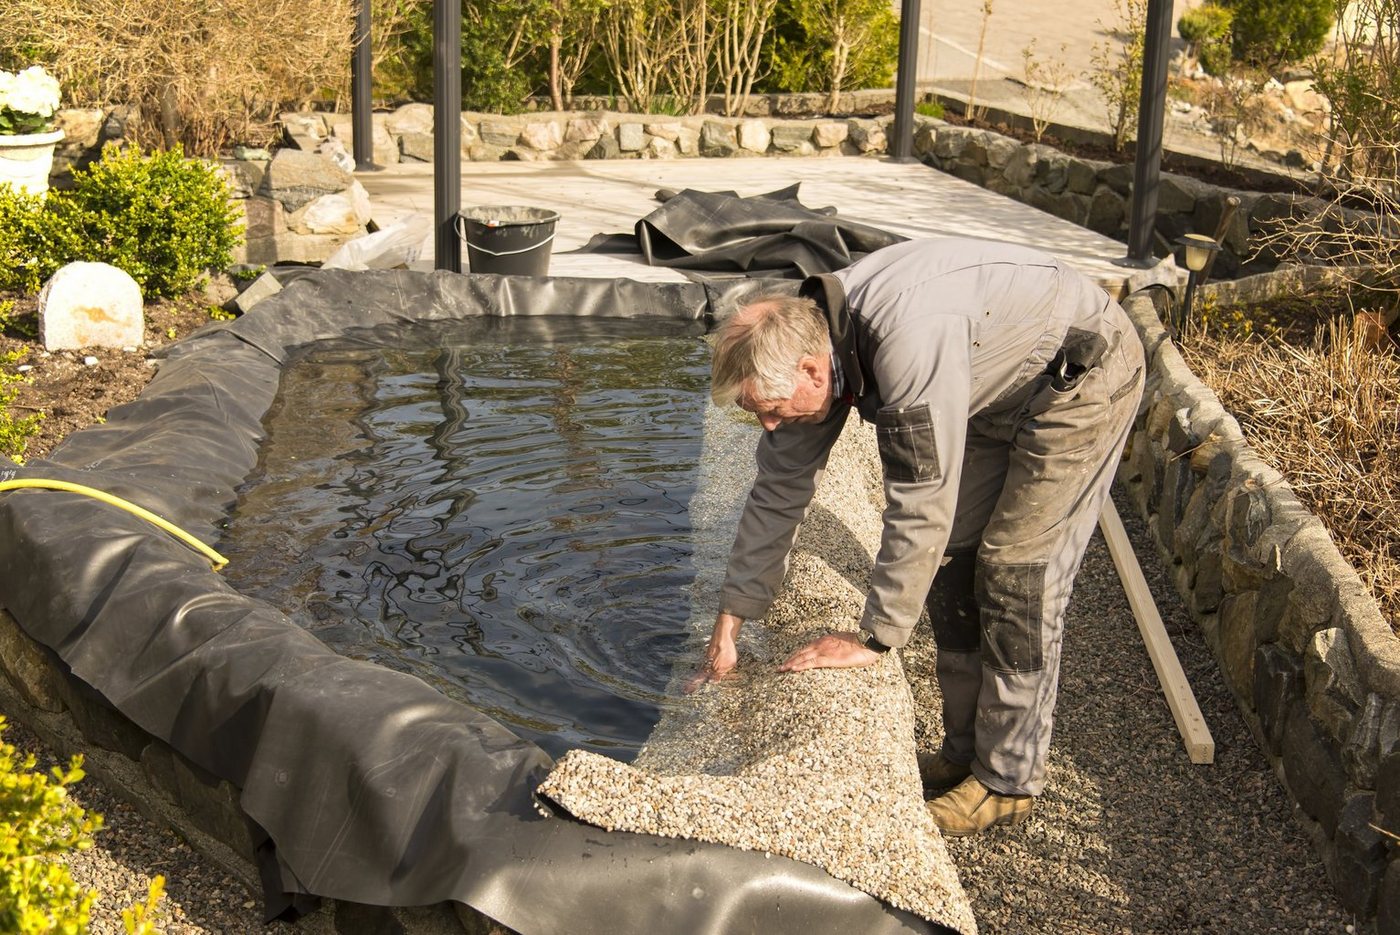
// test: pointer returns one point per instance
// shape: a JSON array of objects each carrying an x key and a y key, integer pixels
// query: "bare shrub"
[
  {"x": 1235, "y": 107},
  {"x": 742, "y": 26},
  {"x": 1116, "y": 69},
  {"x": 1328, "y": 417},
  {"x": 1045, "y": 84},
  {"x": 203, "y": 75}
]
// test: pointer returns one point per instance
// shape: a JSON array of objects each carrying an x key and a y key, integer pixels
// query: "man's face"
[{"x": 810, "y": 400}]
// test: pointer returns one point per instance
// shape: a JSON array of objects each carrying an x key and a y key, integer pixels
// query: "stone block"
[
  {"x": 502, "y": 133},
  {"x": 1313, "y": 595},
  {"x": 689, "y": 141},
  {"x": 91, "y": 305},
  {"x": 158, "y": 763},
  {"x": 416, "y": 147},
  {"x": 867, "y": 135},
  {"x": 1278, "y": 687},
  {"x": 1238, "y": 645},
  {"x": 1361, "y": 753},
  {"x": 575, "y": 149},
  {"x": 1000, "y": 151},
  {"x": 244, "y": 176},
  {"x": 718, "y": 139},
  {"x": 1208, "y": 588},
  {"x": 1082, "y": 175},
  {"x": 754, "y": 136},
  {"x": 1107, "y": 211},
  {"x": 410, "y": 118},
  {"x": 101, "y": 724},
  {"x": 1052, "y": 173},
  {"x": 384, "y": 149},
  {"x": 924, "y": 140},
  {"x": 659, "y": 148},
  {"x": 524, "y": 154},
  {"x": 829, "y": 133},
  {"x": 469, "y": 136},
  {"x": 541, "y": 136},
  {"x": 1178, "y": 194},
  {"x": 605, "y": 148},
  {"x": 28, "y": 667},
  {"x": 289, "y": 247},
  {"x": 304, "y": 124},
  {"x": 794, "y": 139},
  {"x": 212, "y": 805},
  {"x": 1388, "y": 903},
  {"x": 1360, "y": 857},
  {"x": 1330, "y": 681},
  {"x": 1248, "y": 514},
  {"x": 265, "y": 286},
  {"x": 294, "y": 178},
  {"x": 485, "y": 152},
  {"x": 669, "y": 130},
  {"x": 1313, "y": 767},
  {"x": 1388, "y": 792},
  {"x": 1119, "y": 178},
  {"x": 344, "y": 212},
  {"x": 82, "y": 127},
  {"x": 631, "y": 138},
  {"x": 586, "y": 128},
  {"x": 1178, "y": 483},
  {"x": 968, "y": 172}
]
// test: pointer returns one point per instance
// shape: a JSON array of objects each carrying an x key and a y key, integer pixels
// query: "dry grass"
[
  {"x": 203, "y": 73},
  {"x": 1327, "y": 415}
]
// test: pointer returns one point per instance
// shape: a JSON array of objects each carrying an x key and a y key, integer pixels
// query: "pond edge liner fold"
[{"x": 371, "y": 786}]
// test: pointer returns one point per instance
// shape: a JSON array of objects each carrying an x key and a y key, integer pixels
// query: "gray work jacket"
[{"x": 927, "y": 333}]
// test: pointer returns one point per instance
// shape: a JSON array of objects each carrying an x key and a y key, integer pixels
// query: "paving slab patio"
[{"x": 609, "y": 196}]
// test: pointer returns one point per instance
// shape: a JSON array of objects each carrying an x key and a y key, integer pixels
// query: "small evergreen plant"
[
  {"x": 162, "y": 218},
  {"x": 39, "y": 823}
]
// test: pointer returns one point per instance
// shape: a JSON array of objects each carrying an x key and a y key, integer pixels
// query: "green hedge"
[{"x": 162, "y": 218}]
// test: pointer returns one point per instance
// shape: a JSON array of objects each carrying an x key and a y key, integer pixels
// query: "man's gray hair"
[{"x": 762, "y": 343}]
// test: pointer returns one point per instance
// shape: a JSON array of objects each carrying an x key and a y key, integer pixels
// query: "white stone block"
[
  {"x": 754, "y": 136},
  {"x": 630, "y": 137},
  {"x": 91, "y": 305},
  {"x": 543, "y": 136}
]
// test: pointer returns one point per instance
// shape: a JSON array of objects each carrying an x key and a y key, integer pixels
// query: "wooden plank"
[{"x": 1200, "y": 746}]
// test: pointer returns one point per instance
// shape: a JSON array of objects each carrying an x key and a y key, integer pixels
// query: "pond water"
[{"x": 498, "y": 507}]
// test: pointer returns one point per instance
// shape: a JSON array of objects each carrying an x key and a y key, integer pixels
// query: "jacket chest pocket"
[{"x": 908, "y": 444}]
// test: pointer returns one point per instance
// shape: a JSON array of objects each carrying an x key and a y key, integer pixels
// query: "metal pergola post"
[
  {"x": 1147, "y": 163},
  {"x": 447, "y": 133},
  {"x": 361, "y": 105},
  {"x": 901, "y": 146}
]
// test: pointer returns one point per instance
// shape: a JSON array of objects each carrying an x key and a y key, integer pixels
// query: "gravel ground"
[
  {"x": 1128, "y": 837},
  {"x": 130, "y": 850}
]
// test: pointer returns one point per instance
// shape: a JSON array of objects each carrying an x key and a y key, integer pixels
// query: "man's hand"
[
  {"x": 833, "y": 651},
  {"x": 721, "y": 655}
]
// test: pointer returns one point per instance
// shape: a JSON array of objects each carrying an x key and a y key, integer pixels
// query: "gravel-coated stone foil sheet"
[{"x": 818, "y": 766}]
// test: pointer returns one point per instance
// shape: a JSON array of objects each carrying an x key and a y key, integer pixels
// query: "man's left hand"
[{"x": 833, "y": 651}]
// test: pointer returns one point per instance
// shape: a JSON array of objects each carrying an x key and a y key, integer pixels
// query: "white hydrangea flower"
[{"x": 32, "y": 91}]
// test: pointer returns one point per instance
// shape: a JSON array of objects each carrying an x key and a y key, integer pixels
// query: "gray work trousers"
[{"x": 1035, "y": 476}]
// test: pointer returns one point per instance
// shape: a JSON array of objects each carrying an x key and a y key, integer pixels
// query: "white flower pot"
[{"x": 26, "y": 158}]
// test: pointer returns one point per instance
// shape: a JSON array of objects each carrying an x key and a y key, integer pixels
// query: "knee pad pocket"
[{"x": 1011, "y": 598}]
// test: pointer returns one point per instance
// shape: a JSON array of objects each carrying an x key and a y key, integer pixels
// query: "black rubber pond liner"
[{"x": 371, "y": 786}]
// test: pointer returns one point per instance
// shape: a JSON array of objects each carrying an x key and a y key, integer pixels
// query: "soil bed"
[
  {"x": 72, "y": 394},
  {"x": 1320, "y": 400}
]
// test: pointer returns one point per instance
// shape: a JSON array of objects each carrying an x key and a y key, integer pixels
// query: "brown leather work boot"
[
  {"x": 940, "y": 774},
  {"x": 972, "y": 807}
]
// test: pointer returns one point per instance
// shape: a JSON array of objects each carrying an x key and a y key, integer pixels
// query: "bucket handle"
[{"x": 461, "y": 232}]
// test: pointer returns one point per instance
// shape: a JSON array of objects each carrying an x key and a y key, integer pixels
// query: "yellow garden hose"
[{"x": 215, "y": 559}]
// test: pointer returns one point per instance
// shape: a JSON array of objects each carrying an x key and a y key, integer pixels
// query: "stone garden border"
[{"x": 1300, "y": 640}]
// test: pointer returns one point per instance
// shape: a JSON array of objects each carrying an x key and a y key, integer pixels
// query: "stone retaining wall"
[
  {"x": 1300, "y": 640},
  {"x": 1091, "y": 193},
  {"x": 37, "y": 690}
]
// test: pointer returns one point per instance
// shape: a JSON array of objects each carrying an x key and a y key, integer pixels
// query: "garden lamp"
[{"x": 1198, "y": 250}]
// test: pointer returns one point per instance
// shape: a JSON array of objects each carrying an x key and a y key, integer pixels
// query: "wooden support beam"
[{"x": 1200, "y": 746}]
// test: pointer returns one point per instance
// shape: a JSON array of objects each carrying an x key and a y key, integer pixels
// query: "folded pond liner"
[
  {"x": 364, "y": 784},
  {"x": 710, "y": 235}
]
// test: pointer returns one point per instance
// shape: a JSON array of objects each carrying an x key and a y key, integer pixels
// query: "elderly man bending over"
[{"x": 1002, "y": 385}]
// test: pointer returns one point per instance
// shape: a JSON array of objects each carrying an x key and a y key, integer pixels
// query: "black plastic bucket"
[{"x": 507, "y": 239}]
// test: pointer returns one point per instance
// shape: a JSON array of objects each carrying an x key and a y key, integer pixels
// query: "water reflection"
[{"x": 503, "y": 517}]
